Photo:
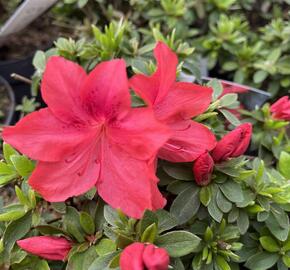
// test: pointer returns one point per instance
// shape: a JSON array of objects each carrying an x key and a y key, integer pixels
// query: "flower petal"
[
  {"x": 61, "y": 86},
  {"x": 41, "y": 136},
  {"x": 140, "y": 134},
  {"x": 57, "y": 181},
  {"x": 190, "y": 139},
  {"x": 155, "y": 258},
  {"x": 131, "y": 257},
  {"x": 154, "y": 88},
  {"x": 47, "y": 247},
  {"x": 126, "y": 182},
  {"x": 184, "y": 99},
  {"x": 234, "y": 143},
  {"x": 106, "y": 91},
  {"x": 203, "y": 168}
]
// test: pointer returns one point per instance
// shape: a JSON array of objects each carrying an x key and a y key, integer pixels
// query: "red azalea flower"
[
  {"x": 203, "y": 168},
  {"x": 175, "y": 103},
  {"x": 47, "y": 247},
  {"x": 233, "y": 144},
  {"x": 90, "y": 136},
  {"x": 139, "y": 256},
  {"x": 281, "y": 109}
]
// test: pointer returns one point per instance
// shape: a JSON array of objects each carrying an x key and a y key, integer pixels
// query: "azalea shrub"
[{"x": 138, "y": 169}]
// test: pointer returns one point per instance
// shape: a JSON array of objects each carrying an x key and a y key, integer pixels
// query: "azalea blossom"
[
  {"x": 175, "y": 103},
  {"x": 47, "y": 247},
  {"x": 233, "y": 144},
  {"x": 281, "y": 109},
  {"x": 203, "y": 168},
  {"x": 139, "y": 256},
  {"x": 90, "y": 136}
]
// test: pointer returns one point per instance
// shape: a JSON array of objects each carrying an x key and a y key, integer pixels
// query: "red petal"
[
  {"x": 233, "y": 144},
  {"x": 189, "y": 141},
  {"x": 126, "y": 182},
  {"x": 202, "y": 169},
  {"x": 131, "y": 257},
  {"x": 281, "y": 109},
  {"x": 155, "y": 258},
  {"x": 184, "y": 99},
  {"x": 154, "y": 88},
  {"x": 43, "y": 137},
  {"x": 140, "y": 134},
  {"x": 57, "y": 181},
  {"x": 61, "y": 86},
  {"x": 106, "y": 91},
  {"x": 47, "y": 247}
]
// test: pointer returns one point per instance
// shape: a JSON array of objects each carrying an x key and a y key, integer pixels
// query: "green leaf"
[
  {"x": 149, "y": 234},
  {"x": 22, "y": 164},
  {"x": 105, "y": 246},
  {"x": 232, "y": 191},
  {"x": 39, "y": 61},
  {"x": 243, "y": 222},
  {"x": 12, "y": 215},
  {"x": 262, "y": 261},
  {"x": 186, "y": 205},
  {"x": 260, "y": 76},
  {"x": 222, "y": 263},
  {"x": 166, "y": 220},
  {"x": 72, "y": 224},
  {"x": 6, "y": 169},
  {"x": 283, "y": 164},
  {"x": 223, "y": 204},
  {"x": 82, "y": 260},
  {"x": 230, "y": 117},
  {"x": 16, "y": 230},
  {"x": 279, "y": 232},
  {"x": 217, "y": 88},
  {"x": 214, "y": 211},
  {"x": 87, "y": 223},
  {"x": 205, "y": 195},
  {"x": 179, "y": 171},
  {"x": 228, "y": 100},
  {"x": 111, "y": 216},
  {"x": 148, "y": 219},
  {"x": 286, "y": 260},
  {"x": 8, "y": 151},
  {"x": 178, "y": 243},
  {"x": 269, "y": 244},
  {"x": 103, "y": 262}
]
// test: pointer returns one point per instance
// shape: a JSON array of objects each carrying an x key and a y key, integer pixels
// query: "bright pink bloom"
[
  {"x": 47, "y": 247},
  {"x": 175, "y": 103},
  {"x": 233, "y": 144},
  {"x": 203, "y": 168},
  {"x": 90, "y": 136},
  {"x": 140, "y": 256},
  {"x": 281, "y": 109}
]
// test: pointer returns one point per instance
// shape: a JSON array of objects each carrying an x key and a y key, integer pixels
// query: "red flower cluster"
[
  {"x": 47, "y": 247},
  {"x": 281, "y": 109},
  {"x": 233, "y": 144},
  {"x": 90, "y": 136},
  {"x": 140, "y": 256}
]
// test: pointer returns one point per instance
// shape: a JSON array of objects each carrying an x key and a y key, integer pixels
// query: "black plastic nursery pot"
[{"x": 7, "y": 102}]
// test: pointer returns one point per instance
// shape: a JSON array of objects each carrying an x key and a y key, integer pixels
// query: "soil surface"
[
  {"x": 39, "y": 35},
  {"x": 4, "y": 103}
]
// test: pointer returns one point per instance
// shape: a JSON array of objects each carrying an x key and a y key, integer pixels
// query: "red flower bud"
[
  {"x": 47, "y": 247},
  {"x": 202, "y": 169},
  {"x": 139, "y": 256},
  {"x": 281, "y": 109},
  {"x": 234, "y": 144}
]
